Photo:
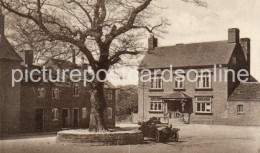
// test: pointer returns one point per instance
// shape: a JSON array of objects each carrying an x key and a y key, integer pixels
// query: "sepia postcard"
[{"x": 129, "y": 76}]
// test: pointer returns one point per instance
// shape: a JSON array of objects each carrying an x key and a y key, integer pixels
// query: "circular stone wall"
[{"x": 107, "y": 138}]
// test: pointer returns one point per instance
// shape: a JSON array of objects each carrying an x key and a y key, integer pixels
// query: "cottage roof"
[
  {"x": 186, "y": 55},
  {"x": 62, "y": 64},
  {"x": 7, "y": 51},
  {"x": 246, "y": 92}
]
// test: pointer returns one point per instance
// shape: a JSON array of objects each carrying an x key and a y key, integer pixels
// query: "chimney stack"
[
  {"x": 152, "y": 42},
  {"x": 82, "y": 60},
  {"x": 84, "y": 65},
  {"x": 233, "y": 35},
  {"x": 245, "y": 44},
  {"x": 2, "y": 23},
  {"x": 73, "y": 54},
  {"x": 28, "y": 55}
]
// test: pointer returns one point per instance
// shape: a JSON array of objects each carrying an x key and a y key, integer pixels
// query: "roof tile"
[
  {"x": 185, "y": 55},
  {"x": 246, "y": 92},
  {"x": 7, "y": 51}
]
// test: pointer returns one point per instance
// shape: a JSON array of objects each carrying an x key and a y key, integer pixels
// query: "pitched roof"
[
  {"x": 7, "y": 51},
  {"x": 185, "y": 55},
  {"x": 246, "y": 92},
  {"x": 109, "y": 85},
  {"x": 253, "y": 79},
  {"x": 64, "y": 64}
]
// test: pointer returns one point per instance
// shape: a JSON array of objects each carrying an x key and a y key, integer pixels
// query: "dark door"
[
  {"x": 65, "y": 118},
  {"x": 39, "y": 119},
  {"x": 75, "y": 118}
]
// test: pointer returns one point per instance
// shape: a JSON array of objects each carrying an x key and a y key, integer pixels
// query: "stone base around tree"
[{"x": 84, "y": 137}]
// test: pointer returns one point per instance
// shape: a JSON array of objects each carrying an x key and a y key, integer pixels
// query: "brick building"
[
  {"x": 9, "y": 97},
  {"x": 30, "y": 107},
  {"x": 201, "y": 100}
]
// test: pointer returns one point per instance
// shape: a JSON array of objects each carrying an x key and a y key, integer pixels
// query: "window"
[
  {"x": 179, "y": 83},
  {"x": 156, "y": 104},
  {"x": 204, "y": 80},
  {"x": 75, "y": 89},
  {"x": 110, "y": 94},
  {"x": 109, "y": 112},
  {"x": 55, "y": 114},
  {"x": 156, "y": 82},
  {"x": 203, "y": 104},
  {"x": 41, "y": 92},
  {"x": 55, "y": 93},
  {"x": 240, "y": 109},
  {"x": 84, "y": 112}
]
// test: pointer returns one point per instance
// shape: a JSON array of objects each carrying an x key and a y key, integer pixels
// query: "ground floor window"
[
  {"x": 109, "y": 112},
  {"x": 156, "y": 104},
  {"x": 204, "y": 104},
  {"x": 55, "y": 114},
  {"x": 240, "y": 109}
]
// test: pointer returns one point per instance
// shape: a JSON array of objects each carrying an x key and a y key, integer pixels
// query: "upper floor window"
[
  {"x": 109, "y": 113},
  {"x": 178, "y": 83},
  {"x": 55, "y": 93},
  {"x": 240, "y": 109},
  {"x": 41, "y": 92},
  {"x": 203, "y": 104},
  {"x": 156, "y": 104},
  {"x": 55, "y": 114},
  {"x": 204, "y": 80},
  {"x": 110, "y": 94},
  {"x": 156, "y": 82},
  {"x": 75, "y": 89}
]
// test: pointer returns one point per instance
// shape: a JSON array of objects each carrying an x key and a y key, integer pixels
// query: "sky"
[{"x": 190, "y": 23}]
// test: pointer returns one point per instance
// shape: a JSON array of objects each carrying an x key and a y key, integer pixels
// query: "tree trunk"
[{"x": 98, "y": 104}]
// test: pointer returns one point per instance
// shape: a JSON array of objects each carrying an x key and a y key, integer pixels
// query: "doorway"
[
  {"x": 39, "y": 119},
  {"x": 179, "y": 110},
  {"x": 75, "y": 118},
  {"x": 65, "y": 118}
]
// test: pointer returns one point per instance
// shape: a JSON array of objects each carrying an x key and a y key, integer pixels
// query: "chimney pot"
[
  {"x": 245, "y": 44},
  {"x": 152, "y": 42},
  {"x": 233, "y": 35},
  {"x": 28, "y": 55},
  {"x": 2, "y": 22},
  {"x": 73, "y": 54}
]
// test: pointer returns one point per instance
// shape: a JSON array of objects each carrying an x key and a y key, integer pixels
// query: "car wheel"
[{"x": 157, "y": 136}]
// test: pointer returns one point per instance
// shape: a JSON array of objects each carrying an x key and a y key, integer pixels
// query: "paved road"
[{"x": 193, "y": 139}]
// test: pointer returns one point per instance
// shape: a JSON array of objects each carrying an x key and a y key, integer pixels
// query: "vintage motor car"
[{"x": 153, "y": 128}]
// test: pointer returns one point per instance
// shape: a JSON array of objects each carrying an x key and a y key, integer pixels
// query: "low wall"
[{"x": 99, "y": 139}]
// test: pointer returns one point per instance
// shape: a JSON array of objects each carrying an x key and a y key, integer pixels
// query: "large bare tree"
[{"x": 103, "y": 30}]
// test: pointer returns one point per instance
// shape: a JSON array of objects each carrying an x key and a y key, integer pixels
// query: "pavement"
[{"x": 193, "y": 139}]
